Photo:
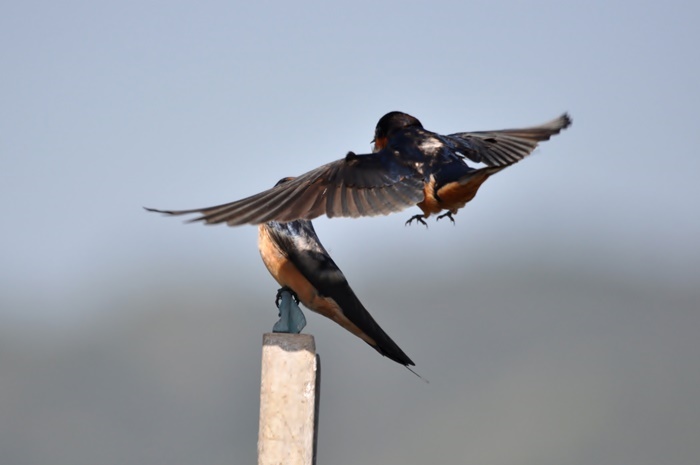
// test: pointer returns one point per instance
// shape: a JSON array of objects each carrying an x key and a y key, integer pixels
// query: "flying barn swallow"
[
  {"x": 409, "y": 166},
  {"x": 297, "y": 260}
]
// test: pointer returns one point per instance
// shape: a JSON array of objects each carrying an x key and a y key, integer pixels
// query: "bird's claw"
[
  {"x": 418, "y": 218},
  {"x": 448, "y": 215},
  {"x": 278, "y": 297}
]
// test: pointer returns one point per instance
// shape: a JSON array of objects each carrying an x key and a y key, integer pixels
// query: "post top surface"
[{"x": 290, "y": 342}]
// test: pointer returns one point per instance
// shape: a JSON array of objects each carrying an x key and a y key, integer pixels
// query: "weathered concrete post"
[{"x": 289, "y": 387}]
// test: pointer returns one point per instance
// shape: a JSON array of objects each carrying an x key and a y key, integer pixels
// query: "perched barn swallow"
[
  {"x": 298, "y": 261},
  {"x": 409, "y": 166}
]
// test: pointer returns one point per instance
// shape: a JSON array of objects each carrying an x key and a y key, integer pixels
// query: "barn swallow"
[
  {"x": 297, "y": 260},
  {"x": 409, "y": 165}
]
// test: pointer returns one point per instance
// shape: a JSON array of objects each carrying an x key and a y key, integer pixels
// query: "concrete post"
[{"x": 288, "y": 400}]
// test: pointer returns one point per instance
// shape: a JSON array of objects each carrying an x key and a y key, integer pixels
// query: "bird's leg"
[
  {"x": 448, "y": 214},
  {"x": 291, "y": 320},
  {"x": 418, "y": 218}
]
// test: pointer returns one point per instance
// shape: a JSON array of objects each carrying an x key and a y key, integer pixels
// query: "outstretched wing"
[
  {"x": 506, "y": 146},
  {"x": 357, "y": 185}
]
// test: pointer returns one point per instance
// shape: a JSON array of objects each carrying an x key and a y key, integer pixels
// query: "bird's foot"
[
  {"x": 278, "y": 297},
  {"x": 291, "y": 320},
  {"x": 448, "y": 215},
  {"x": 418, "y": 218}
]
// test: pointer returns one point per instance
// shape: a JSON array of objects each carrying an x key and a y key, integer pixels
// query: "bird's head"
[{"x": 390, "y": 123}]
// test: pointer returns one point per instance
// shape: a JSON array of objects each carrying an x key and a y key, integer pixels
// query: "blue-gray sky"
[{"x": 108, "y": 106}]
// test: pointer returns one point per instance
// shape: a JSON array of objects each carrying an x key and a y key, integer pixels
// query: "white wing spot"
[{"x": 431, "y": 144}]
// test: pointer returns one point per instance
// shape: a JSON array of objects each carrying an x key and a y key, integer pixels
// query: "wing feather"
[
  {"x": 506, "y": 146},
  {"x": 334, "y": 189}
]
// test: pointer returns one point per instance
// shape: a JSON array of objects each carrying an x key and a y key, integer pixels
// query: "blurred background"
[{"x": 557, "y": 321}]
